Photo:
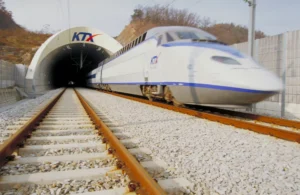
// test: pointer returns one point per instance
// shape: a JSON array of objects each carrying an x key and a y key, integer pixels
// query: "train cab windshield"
[
  {"x": 193, "y": 35},
  {"x": 184, "y": 35}
]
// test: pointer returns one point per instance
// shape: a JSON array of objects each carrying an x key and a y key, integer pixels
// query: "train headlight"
[{"x": 225, "y": 60}]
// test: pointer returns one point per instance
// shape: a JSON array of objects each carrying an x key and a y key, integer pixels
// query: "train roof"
[{"x": 163, "y": 29}]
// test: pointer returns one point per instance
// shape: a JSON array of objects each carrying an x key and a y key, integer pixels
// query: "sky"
[{"x": 111, "y": 16}]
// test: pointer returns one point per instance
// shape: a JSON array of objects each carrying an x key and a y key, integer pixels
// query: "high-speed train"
[{"x": 185, "y": 65}]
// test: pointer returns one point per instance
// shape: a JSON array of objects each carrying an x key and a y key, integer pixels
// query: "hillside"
[
  {"x": 231, "y": 33},
  {"x": 145, "y": 18},
  {"x": 7, "y": 21},
  {"x": 17, "y": 45}
]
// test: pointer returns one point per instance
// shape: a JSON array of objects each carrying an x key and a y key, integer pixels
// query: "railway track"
[
  {"x": 66, "y": 148},
  {"x": 250, "y": 117},
  {"x": 279, "y": 128}
]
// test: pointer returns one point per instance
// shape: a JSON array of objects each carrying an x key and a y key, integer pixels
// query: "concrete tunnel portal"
[
  {"x": 68, "y": 56},
  {"x": 71, "y": 65}
]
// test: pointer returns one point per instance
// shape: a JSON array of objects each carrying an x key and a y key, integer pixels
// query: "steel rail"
[
  {"x": 17, "y": 139},
  {"x": 276, "y": 132},
  {"x": 257, "y": 117},
  {"x": 145, "y": 183}
]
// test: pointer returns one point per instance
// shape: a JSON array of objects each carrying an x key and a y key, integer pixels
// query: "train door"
[
  {"x": 152, "y": 70},
  {"x": 146, "y": 72},
  {"x": 100, "y": 81},
  {"x": 101, "y": 69}
]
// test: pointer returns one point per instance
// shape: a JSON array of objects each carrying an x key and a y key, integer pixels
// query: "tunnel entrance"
[
  {"x": 71, "y": 64},
  {"x": 67, "y": 57}
]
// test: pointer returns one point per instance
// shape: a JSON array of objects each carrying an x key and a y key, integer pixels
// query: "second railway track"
[
  {"x": 65, "y": 154},
  {"x": 279, "y": 128}
]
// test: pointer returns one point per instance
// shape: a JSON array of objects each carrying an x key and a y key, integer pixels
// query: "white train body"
[{"x": 197, "y": 71}]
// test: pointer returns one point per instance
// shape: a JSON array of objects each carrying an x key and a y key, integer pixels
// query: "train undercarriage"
[
  {"x": 161, "y": 92},
  {"x": 152, "y": 92}
]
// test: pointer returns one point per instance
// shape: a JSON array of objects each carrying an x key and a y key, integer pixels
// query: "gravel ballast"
[
  {"x": 8, "y": 117},
  {"x": 19, "y": 169},
  {"x": 70, "y": 186},
  {"x": 216, "y": 158}
]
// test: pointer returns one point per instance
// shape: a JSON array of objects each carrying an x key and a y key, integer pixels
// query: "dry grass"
[
  {"x": 17, "y": 44},
  {"x": 231, "y": 33},
  {"x": 145, "y": 18}
]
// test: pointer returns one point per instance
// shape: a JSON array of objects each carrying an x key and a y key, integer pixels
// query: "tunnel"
[
  {"x": 71, "y": 64},
  {"x": 67, "y": 57}
]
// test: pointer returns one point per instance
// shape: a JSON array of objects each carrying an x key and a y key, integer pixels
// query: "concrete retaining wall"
[
  {"x": 20, "y": 74},
  {"x": 12, "y": 77},
  {"x": 7, "y": 74},
  {"x": 281, "y": 55}
]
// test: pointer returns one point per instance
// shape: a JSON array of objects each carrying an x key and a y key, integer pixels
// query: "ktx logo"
[{"x": 85, "y": 36}]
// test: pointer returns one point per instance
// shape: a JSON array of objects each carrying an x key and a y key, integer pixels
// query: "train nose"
[{"x": 256, "y": 79}]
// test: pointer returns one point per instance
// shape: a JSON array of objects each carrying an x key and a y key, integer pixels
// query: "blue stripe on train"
[{"x": 209, "y": 86}]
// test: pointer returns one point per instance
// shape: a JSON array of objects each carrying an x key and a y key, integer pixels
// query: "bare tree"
[
  {"x": 137, "y": 14},
  {"x": 159, "y": 15},
  {"x": 145, "y": 18},
  {"x": 2, "y": 5}
]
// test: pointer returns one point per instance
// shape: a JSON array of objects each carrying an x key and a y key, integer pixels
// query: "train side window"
[
  {"x": 144, "y": 36},
  {"x": 169, "y": 38},
  {"x": 159, "y": 40}
]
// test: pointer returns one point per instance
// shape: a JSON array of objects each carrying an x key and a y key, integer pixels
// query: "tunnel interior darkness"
[{"x": 71, "y": 63}]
